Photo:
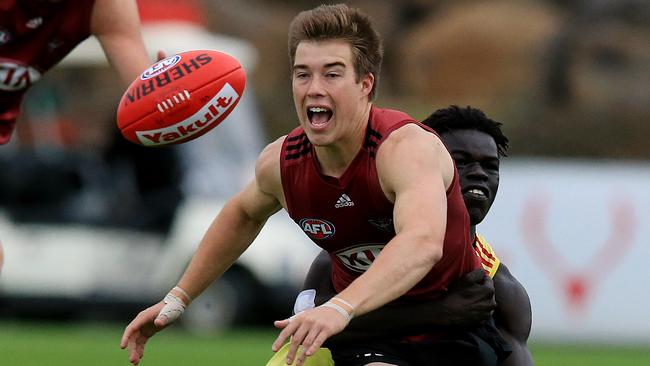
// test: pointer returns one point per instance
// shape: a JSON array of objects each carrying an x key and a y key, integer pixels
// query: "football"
[{"x": 180, "y": 98}]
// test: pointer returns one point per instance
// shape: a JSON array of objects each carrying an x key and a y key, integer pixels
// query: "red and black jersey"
[
  {"x": 351, "y": 218},
  {"x": 35, "y": 36}
]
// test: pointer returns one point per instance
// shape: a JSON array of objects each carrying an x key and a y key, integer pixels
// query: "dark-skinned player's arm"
[
  {"x": 319, "y": 278},
  {"x": 513, "y": 316},
  {"x": 466, "y": 303},
  {"x": 469, "y": 301}
]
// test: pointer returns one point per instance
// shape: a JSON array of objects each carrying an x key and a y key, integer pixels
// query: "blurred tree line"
[{"x": 567, "y": 78}]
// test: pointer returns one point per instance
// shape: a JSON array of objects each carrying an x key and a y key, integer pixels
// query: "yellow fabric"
[
  {"x": 486, "y": 254},
  {"x": 322, "y": 357}
]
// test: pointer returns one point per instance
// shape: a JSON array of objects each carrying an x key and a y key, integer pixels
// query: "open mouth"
[
  {"x": 319, "y": 116},
  {"x": 477, "y": 193}
]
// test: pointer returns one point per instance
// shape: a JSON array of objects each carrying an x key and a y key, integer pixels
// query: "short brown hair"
[{"x": 328, "y": 22}]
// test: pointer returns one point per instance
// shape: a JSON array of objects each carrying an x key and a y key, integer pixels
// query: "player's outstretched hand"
[
  {"x": 470, "y": 299},
  {"x": 147, "y": 323},
  {"x": 308, "y": 329},
  {"x": 138, "y": 332}
]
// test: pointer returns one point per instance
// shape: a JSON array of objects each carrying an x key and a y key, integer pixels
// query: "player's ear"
[{"x": 367, "y": 83}]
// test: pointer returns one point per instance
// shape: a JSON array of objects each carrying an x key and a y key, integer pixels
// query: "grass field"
[{"x": 98, "y": 345}]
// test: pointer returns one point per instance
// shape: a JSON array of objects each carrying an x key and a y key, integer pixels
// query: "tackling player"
[
  {"x": 358, "y": 179},
  {"x": 36, "y": 34},
  {"x": 476, "y": 144}
]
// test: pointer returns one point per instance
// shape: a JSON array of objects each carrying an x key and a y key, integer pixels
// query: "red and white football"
[{"x": 181, "y": 98}]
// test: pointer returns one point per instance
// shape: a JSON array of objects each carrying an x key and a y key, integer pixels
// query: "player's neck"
[
  {"x": 472, "y": 232},
  {"x": 335, "y": 159},
  {"x": 334, "y": 162}
]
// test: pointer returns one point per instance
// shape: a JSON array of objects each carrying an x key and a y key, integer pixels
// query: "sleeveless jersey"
[
  {"x": 489, "y": 260},
  {"x": 351, "y": 218},
  {"x": 35, "y": 36}
]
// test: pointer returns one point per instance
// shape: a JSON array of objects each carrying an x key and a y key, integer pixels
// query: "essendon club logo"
[
  {"x": 360, "y": 258},
  {"x": 160, "y": 67},
  {"x": 317, "y": 229},
  {"x": 211, "y": 113},
  {"x": 17, "y": 76},
  {"x": 164, "y": 73}
]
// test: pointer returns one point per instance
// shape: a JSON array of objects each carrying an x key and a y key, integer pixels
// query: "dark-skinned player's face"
[{"x": 477, "y": 161}]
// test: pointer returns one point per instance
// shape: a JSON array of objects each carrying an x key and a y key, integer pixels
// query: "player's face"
[
  {"x": 330, "y": 102},
  {"x": 477, "y": 160}
]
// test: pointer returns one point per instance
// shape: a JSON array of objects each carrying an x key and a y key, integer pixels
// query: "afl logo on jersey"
[
  {"x": 360, "y": 258},
  {"x": 17, "y": 76},
  {"x": 317, "y": 229},
  {"x": 160, "y": 67}
]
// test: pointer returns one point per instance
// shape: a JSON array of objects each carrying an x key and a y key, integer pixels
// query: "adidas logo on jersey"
[{"x": 344, "y": 201}]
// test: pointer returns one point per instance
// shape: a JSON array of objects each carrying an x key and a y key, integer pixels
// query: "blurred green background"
[{"x": 38, "y": 344}]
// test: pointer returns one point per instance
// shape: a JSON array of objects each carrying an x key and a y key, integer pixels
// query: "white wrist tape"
[
  {"x": 339, "y": 309},
  {"x": 184, "y": 293},
  {"x": 174, "y": 308},
  {"x": 344, "y": 303}
]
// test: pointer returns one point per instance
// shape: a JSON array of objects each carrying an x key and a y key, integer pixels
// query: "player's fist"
[{"x": 470, "y": 299}]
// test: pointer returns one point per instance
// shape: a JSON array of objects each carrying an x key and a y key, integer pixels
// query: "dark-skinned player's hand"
[{"x": 469, "y": 301}]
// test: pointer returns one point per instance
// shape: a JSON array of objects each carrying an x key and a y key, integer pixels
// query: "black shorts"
[{"x": 482, "y": 346}]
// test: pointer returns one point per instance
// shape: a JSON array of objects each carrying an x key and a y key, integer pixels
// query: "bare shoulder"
[
  {"x": 412, "y": 136},
  {"x": 408, "y": 133},
  {"x": 263, "y": 196},
  {"x": 411, "y": 142},
  {"x": 267, "y": 169}
]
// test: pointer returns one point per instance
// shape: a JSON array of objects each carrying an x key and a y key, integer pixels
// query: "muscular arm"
[
  {"x": 513, "y": 316},
  {"x": 231, "y": 232},
  {"x": 116, "y": 24},
  {"x": 469, "y": 301},
  {"x": 416, "y": 184},
  {"x": 236, "y": 226}
]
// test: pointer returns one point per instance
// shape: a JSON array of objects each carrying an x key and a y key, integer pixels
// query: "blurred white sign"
[{"x": 576, "y": 235}]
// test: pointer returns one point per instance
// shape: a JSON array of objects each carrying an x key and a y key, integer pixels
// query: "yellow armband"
[{"x": 486, "y": 255}]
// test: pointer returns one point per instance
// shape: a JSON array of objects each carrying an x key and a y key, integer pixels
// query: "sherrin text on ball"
[{"x": 180, "y": 98}]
